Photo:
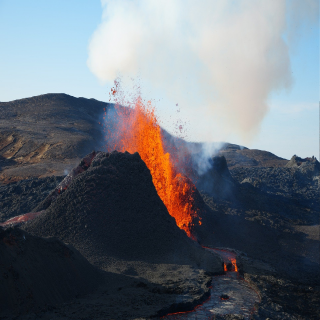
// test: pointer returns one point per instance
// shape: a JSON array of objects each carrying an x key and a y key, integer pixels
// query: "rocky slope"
[
  {"x": 262, "y": 216},
  {"x": 36, "y": 272},
  {"x": 238, "y": 156},
  {"x": 46, "y": 135},
  {"x": 23, "y": 196}
]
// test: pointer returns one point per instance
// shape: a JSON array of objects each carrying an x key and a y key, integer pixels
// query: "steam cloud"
[{"x": 220, "y": 59}]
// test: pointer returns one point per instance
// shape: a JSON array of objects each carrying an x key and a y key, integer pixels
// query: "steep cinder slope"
[
  {"x": 23, "y": 196},
  {"x": 113, "y": 210}
]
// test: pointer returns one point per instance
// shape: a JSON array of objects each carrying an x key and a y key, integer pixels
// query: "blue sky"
[{"x": 44, "y": 49}]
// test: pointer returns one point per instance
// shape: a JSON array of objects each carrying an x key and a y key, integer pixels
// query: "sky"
[{"x": 56, "y": 46}]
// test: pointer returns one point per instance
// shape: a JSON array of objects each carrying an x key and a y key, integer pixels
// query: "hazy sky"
[{"x": 247, "y": 74}]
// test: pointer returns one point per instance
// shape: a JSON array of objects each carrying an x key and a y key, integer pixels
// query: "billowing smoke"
[{"x": 219, "y": 59}]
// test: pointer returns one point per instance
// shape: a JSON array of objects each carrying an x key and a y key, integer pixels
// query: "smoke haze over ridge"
[{"x": 220, "y": 60}]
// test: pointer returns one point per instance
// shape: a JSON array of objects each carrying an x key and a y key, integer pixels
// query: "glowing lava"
[
  {"x": 137, "y": 130},
  {"x": 233, "y": 263},
  {"x": 229, "y": 258}
]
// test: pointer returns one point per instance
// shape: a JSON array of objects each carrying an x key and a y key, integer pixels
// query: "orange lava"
[
  {"x": 234, "y": 263},
  {"x": 138, "y": 130}
]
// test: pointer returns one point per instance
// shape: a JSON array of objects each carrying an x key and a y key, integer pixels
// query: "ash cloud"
[{"x": 220, "y": 59}]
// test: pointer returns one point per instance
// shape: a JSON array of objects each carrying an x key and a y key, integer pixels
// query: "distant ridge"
[{"x": 46, "y": 135}]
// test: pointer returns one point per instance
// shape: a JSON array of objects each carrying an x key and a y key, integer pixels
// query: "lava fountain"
[{"x": 136, "y": 129}]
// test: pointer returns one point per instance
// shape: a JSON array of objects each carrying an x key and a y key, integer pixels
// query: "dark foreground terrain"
[{"x": 110, "y": 229}]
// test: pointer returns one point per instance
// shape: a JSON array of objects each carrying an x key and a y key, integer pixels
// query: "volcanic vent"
[
  {"x": 137, "y": 129},
  {"x": 113, "y": 210}
]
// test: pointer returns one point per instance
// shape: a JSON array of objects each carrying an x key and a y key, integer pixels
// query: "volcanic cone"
[{"x": 113, "y": 210}]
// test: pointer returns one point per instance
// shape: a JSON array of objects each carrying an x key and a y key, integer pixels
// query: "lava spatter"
[{"x": 137, "y": 129}]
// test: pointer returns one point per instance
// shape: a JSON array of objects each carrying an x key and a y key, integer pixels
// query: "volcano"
[{"x": 113, "y": 210}]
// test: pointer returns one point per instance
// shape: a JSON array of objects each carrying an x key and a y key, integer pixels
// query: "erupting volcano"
[
  {"x": 138, "y": 130},
  {"x": 113, "y": 208}
]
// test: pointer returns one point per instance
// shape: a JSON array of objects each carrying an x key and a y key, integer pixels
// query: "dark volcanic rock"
[
  {"x": 23, "y": 196},
  {"x": 46, "y": 134},
  {"x": 257, "y": 183},
  {"x": 243, "y": 157},
  {"x": 280, "y": 297},
  {"x": 299, "y": 186},
  {"x": 35, "y": 272},
  {"x": 64, "y": 184},
  {"x": 309, "y": 166},
  {"x": 113, "y": 210},
  {"x": 217, "y": 181},
  {"x": 272, "y": 217}
]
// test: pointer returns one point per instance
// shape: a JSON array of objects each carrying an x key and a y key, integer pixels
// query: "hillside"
[{"x": 46, "y": 135}]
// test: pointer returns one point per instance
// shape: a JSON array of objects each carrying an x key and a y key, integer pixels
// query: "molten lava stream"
[
  {"x": 234, "y": 264},
  {"x": 229, "y": 259},
  {"x": 138, "y": 130},
  {"x": 234, "y": 267}
]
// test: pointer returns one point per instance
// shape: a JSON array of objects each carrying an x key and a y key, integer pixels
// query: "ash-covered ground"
[{"x": 111, "y": 229}]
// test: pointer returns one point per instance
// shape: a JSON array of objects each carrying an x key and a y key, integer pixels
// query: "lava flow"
[
  {"x": 137, "y": 130},
  {"x": 229, "y": 258},
  {"x": 229, "y": 294}
]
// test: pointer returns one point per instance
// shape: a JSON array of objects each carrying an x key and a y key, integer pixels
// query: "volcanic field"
[{"x": 105, "y": 215}]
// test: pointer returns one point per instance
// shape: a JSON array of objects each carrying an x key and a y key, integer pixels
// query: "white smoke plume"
[{"x": 220, "y": 59}]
